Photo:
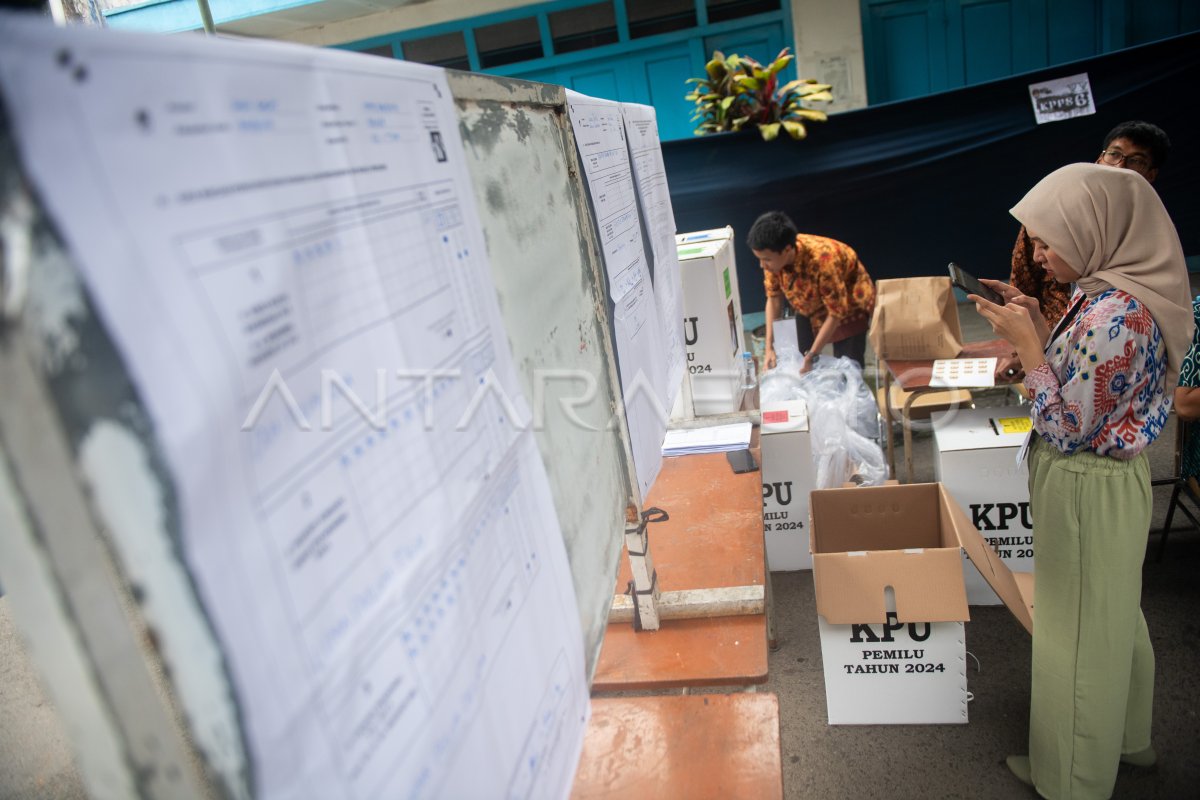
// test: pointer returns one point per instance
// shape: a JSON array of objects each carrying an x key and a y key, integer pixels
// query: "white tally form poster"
[
  {"x": 658, "y": 221},
  {"x": 284, "y": 245},
  {"x": 641, "y": 352}
]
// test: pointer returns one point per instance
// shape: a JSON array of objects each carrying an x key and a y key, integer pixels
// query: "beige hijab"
[{"x": 1109, "y": 225}]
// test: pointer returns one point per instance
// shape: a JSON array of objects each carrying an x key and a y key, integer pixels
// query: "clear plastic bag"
[{"x": 841, "y": 414}]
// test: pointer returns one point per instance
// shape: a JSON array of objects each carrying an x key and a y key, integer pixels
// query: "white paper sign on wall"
[{"x": 1062, "y": 98}]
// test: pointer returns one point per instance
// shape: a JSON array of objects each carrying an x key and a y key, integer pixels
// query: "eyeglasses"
[{"x": 1115, "y": 158}]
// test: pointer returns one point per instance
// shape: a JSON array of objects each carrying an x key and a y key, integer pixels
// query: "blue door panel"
[
  {"x": 905, "y": 42},
  {"x": 1072, "y": 30},
  {"x": 597, "y": 81},
  {"x": 904, "y": 39},
  {"x": 655, "y": 77},
  {"x": 987, "y": 41},
  {"x": 666, "y": 78}
]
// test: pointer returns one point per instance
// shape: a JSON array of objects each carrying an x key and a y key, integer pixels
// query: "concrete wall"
[{"x": 829, "y": 47}]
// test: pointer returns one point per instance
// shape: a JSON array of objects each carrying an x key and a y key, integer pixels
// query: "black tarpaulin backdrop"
[{"x": 915, "y": 184}]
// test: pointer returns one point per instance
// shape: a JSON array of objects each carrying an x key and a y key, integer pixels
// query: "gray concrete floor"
[
  {"x": 819, "y": 760},
  {"x": 35, "y": 755}
]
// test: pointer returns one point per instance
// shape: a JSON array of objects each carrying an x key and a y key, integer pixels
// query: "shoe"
[
  {"x": 1019, "y": 766},
  {"x": 1142, "y": 758}
]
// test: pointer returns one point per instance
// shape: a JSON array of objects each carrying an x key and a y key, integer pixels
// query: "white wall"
[
  {"x": 829, "y": 47},
  {"x": 406, "y": 17}
]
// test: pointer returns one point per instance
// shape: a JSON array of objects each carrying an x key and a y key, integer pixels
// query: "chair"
[
  {"x": 1184, "y": 487},
  {"x": 894, "y": 406}
]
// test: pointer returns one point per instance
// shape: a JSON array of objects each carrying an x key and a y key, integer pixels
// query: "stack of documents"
[{"x": 716, "y": 439}]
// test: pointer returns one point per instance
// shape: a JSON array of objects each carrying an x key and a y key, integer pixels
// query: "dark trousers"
[{"x": 853, "y": 347}]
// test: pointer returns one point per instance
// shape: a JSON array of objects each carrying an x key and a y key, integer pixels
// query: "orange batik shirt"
[{"x": 827, "y": 278}]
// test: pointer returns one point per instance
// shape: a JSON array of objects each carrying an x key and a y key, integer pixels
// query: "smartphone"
[
  {"x": 971, "y": 285},
  {"x": 741, "y": 461}
]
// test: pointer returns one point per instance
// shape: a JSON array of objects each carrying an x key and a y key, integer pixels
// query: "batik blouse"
[
  {"x": 1189, "y": 377},
  {"x": 826, "y": 278},
  {"x": 1033, "y": 280},
  {"x": 1102, "y": 388}
]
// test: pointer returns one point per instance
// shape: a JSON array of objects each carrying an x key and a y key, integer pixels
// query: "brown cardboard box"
[
  {"x": 891, "y": 602},
  {"x": 915, "y": 319}
]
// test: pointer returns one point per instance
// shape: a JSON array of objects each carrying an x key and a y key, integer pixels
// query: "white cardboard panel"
[
  {"x": 894, "y": 673},
  {"x": 979, "y": 469},
  {"x": 787, "y": 477}
]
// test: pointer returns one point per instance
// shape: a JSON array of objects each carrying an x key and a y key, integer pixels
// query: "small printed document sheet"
[
  {"x": 963, "y": 372},
  {"x": 283, "y": 244}
]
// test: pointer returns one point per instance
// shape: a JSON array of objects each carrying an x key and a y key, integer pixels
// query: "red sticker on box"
[{"x": 775, "y": 416}]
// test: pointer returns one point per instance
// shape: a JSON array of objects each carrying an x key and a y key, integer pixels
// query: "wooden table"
[
  {"x": 913, "y": 376},
  {"x": 693, "y": 746},
  {"x": 714, "y": 538}
]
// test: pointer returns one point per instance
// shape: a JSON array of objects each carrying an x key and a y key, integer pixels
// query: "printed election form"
[
  {"x": 641, "y": 355},
  {"x": 284, "y": 245},
  {"x": 650, "y": 173}
]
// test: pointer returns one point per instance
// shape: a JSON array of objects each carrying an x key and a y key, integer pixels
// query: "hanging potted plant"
[{"x": 738, "y": 91}]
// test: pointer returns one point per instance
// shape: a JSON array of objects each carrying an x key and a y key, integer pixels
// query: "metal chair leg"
[{"x": 1162, "y": 542}]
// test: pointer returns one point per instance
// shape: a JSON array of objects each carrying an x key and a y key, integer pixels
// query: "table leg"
[
  {"x": 906, "y": 424},
  {"x": 772, "y": 642},
  {"x": 887, "y": 417}
]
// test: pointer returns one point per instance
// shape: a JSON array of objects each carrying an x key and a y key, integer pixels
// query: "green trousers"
[{"x": 1093, "y": 664}]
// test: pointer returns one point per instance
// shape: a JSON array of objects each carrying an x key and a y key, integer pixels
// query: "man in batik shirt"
[
  {"x": 824, "y": 282},
  {"x": 1134, "y": 145}
]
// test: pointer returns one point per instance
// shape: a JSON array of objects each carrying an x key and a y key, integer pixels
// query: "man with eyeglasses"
[{"x": 1134, "y": 145}]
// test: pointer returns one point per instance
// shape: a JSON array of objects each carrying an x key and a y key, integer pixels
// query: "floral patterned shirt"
[
  {"x": 1189, "y": 376},
  {"x": 1102, "y": 387},
  {"x": 1033, "y": 280},
  {"x": 827, "y": 278}
]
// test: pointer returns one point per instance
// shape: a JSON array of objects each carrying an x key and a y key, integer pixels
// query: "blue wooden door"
[
  {"x": 653, "y": 76},
  {"x": 905, "y": 43},
  {"x": 663, "y": 76},
  {"x": 987, "y": 39},
  {"x": 916, "y": 47}
]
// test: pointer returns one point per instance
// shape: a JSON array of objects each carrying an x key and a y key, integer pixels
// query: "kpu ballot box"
[
  {"x": 975, "y": 458},
  {"x": 712, "y": 319},
  {"x": 891, "y": 603},
  {"x": 787, "y": 478}
]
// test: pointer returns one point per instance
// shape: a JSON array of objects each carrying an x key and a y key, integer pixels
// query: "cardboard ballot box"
[
  {"x": 891, "y": 603},
  {"x": 712, "y": 319},
  {"x": 787, "y": 478},
  {"x": 975, "y": 458}
]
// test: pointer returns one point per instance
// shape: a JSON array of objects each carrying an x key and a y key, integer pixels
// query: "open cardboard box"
[{"x": 891, "y": 603}]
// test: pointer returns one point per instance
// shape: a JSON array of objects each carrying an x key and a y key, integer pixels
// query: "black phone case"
[{"x": 741, "y": 461}]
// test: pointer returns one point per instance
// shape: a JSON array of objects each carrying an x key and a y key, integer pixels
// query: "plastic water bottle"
[{"x": 749, "y": 376}]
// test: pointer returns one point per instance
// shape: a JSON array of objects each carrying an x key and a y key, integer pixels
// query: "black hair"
[
  {"x": 1143, "y": 134},
  {"x": 772, "y": 231}
]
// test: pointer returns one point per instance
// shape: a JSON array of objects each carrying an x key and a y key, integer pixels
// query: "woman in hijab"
[{"x": 1101, "y": 385}]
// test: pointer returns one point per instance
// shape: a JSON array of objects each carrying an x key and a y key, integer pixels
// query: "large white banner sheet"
[{"x": 284, "y": 245}]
